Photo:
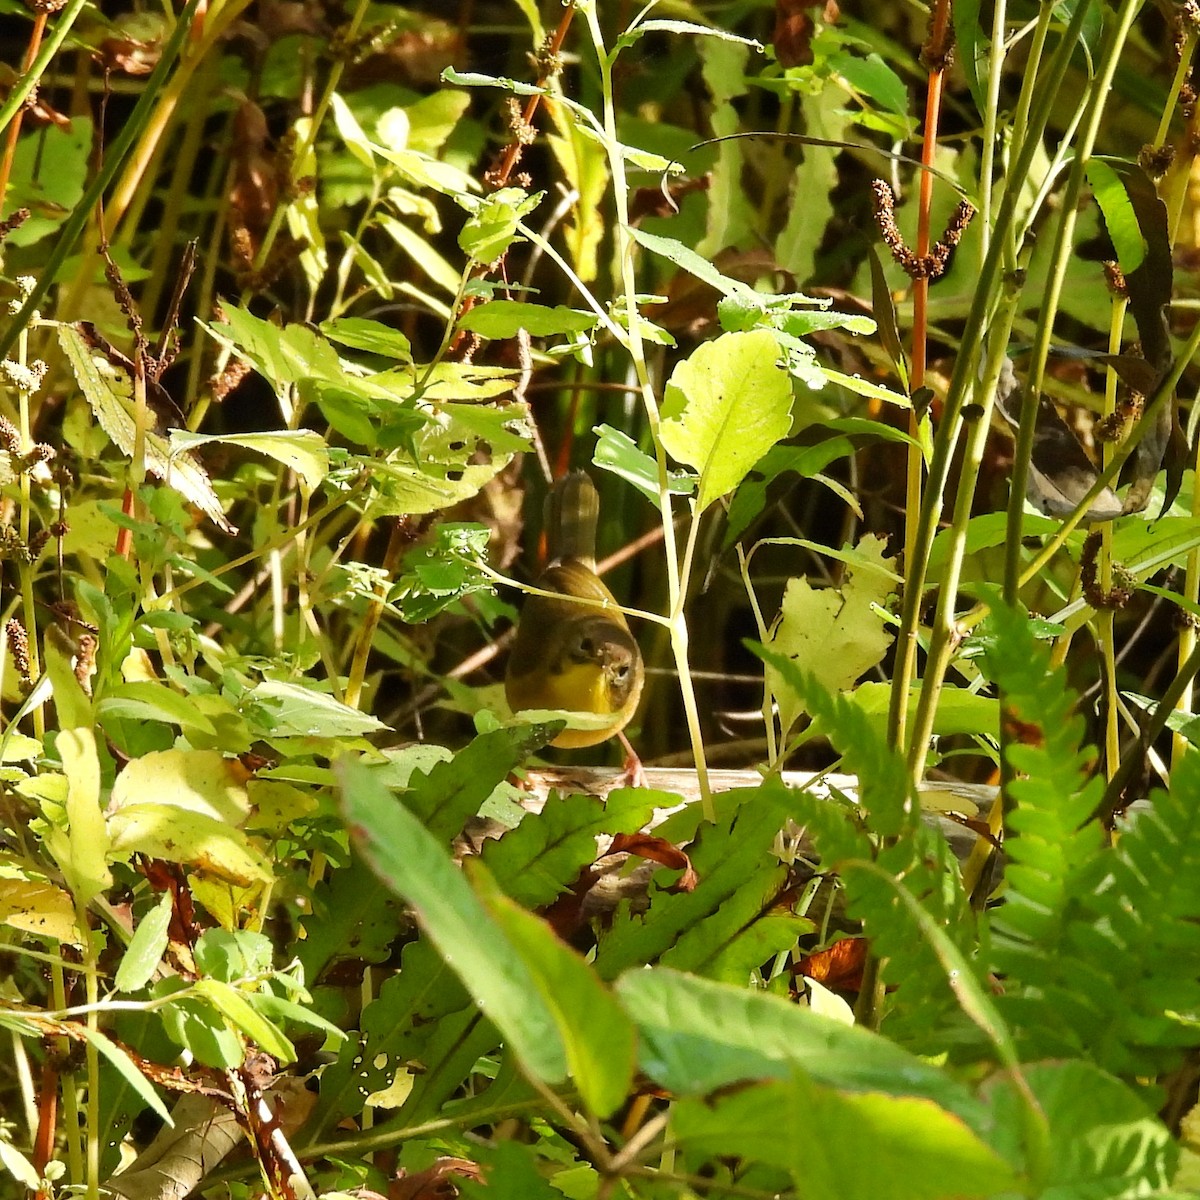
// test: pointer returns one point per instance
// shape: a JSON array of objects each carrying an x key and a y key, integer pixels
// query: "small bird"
[{"x": 577, "y": 657}]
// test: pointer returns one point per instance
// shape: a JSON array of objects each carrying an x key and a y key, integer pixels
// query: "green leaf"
[
  {"x": 301, "y": 450},
  {"x": 696, "y": 1036},
  {"x": 1119, "y": 217},
  {"x": 617, "y": 452},
  {"x": 837, "y": 633},
  {"x": 695, "y": 264},
  {"x": 505, "y": 318},
  {"x": 49, "y": 171},
  {"x": 725, "y": 407},
  {"x": 83, "y": 865},
  {"x": 845, "y": 1147},
  {"x": 201, "y": 781},
  {"x": 352, "y": 132},
  {"x": 293, "y": 710},
  {"x": 145, "y": 949},
  {"x": 193, "y": 838},
  {"x": 1105, "y": 1140},
  {"x": 682, "y": 27},
  {"x": 148, "y": 700},
  {"x": 110, "y": 395},
  {"x": 450, "y": 793},
  {"x": 874, "y": 78},
  {"x": 372, "y": 336},
  {"x": 440, "y": 573},
  {"x": 492, "y": 226},
  {"x": 599, "y": 1048},
  {"x": 238, "y": 1009},
  {"x": 476, "y": 79},
  {"x": 737, "y": 871},
  {"x": 542, "y": 857},
  {"x": 413, "y": 864},
  {"x": 128, "y": 1071}
]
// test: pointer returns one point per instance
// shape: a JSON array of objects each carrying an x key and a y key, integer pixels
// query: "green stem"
[
  {"x": 1098, "y": 96},
  {"x": 962, "y": 381},
  {"x": 677, "y": 582},
  {"x": 122, "y": 144},
  {"x": 15, "y": 101}
]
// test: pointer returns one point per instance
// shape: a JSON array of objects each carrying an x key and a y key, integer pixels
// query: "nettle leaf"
[
  {"x": 836, "y": 633},
  {"x": 109, "y": 391},
  {"x": 492, "y": 225},
  {"x": 435, "y": 576},
  {"x": 301, "y": 450},
  {"x": 725, "y": 406},
  {"x": 505, "y": 318}
]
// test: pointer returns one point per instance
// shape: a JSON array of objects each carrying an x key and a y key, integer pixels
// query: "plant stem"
[
  {"x": 677, "y": 581},
  {"x": 962, "y": 382},
  {"x": 1098, "y": 96}
]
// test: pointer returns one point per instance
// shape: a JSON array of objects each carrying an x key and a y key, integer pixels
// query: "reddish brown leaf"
[
  {"x": 645, "y": 845},
  {"x": 436, "y": 1182},
  {"x": 841, "y": 966}
]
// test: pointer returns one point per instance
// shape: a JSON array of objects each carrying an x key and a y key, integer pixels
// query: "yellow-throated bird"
[{"x": 567, "y": 655}]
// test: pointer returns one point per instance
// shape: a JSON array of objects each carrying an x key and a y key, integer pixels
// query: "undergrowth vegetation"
[{"x": 875, "y": 327}]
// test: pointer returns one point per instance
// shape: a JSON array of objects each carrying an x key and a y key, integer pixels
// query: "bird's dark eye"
[
  {"x": 587, "y": 647},
  {"x": 622, "y": 672}
]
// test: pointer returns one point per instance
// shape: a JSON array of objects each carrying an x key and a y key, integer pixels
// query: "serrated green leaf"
[
  {"x": 725, "y": 407},
  {"x": 301, "y": 450},
  {"x": 697, "y": 1036},
  {"x": 504, "y": 318},
  {"x": 412, "y": 863}
]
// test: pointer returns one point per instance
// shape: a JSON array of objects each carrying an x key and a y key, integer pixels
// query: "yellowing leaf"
[
  {"x": 303, "y": 450},
  {"x": 84, "y": 862},
  {"x": 833, "y": 633},
  {"x": 39, "y": 908},
  {"x": 193, "y": 838},
  {"x": 201, "y": 781},
  {"x": 725, "y": 407}
]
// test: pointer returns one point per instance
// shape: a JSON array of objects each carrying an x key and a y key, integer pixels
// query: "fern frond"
[
  {"x": 1098, "y": 946},
  {"x": 922, "y": 1011}
]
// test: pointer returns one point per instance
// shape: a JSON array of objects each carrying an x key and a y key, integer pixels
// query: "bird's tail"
[{"x": 572, "y": 513}]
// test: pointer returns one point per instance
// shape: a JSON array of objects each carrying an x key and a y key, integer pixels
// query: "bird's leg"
[{"x": 634, "y": 773}]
